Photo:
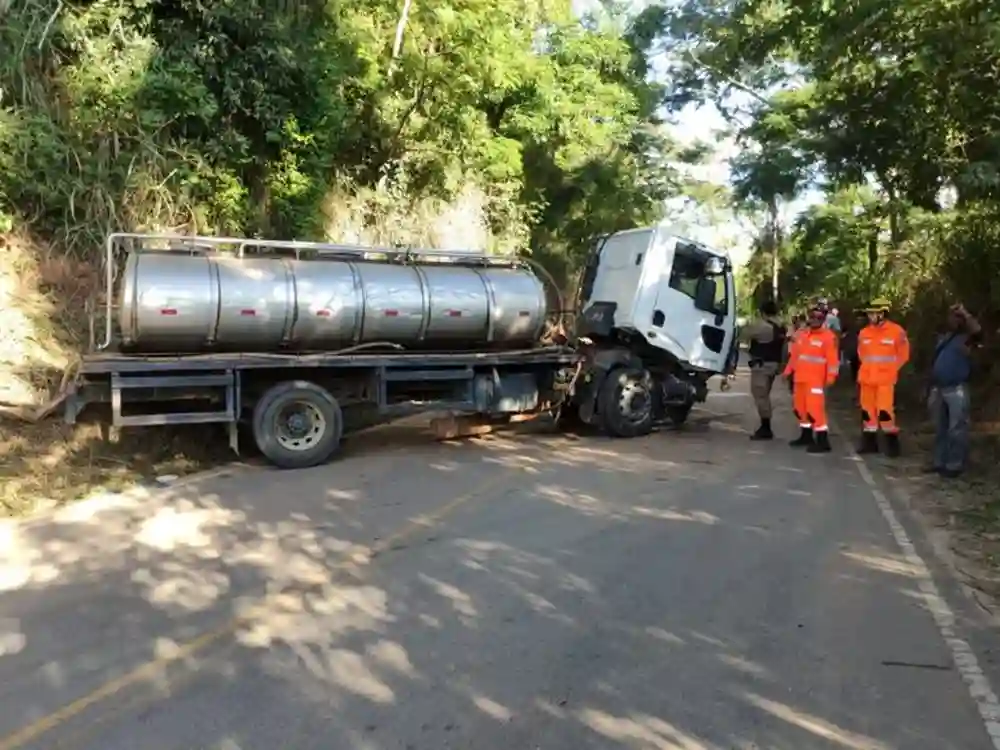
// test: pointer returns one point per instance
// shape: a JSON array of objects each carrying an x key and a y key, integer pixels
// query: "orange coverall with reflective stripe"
[
  {"x": 813, "y": 363},
  {"x": 793, "y": 336},
  {"x": 882, "y": 350}
]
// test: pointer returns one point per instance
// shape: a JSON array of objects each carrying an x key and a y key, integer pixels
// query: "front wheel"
[
  {"x": 625, "y": 402},
  {"x": 297, "y": 424}
]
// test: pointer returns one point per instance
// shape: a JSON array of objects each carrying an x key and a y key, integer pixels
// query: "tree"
[
  {"x": 243, "y": 117},
  {"x": 887, "y": 107},
  {"x": 771, "y": 170}
]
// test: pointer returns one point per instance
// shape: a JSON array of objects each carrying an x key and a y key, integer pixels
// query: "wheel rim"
[
  {"x": 634, "y": 403},
  {"x": 299, "y": 426}
]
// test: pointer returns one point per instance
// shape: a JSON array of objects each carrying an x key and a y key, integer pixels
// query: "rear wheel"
[
  {"x": 625, "y": 402},
  {"x": 297, "y": 424}
]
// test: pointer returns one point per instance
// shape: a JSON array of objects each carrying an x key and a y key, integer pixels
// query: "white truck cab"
[
  {"x": 677, "y": 294},
  {"x": 657, "y": 319}
]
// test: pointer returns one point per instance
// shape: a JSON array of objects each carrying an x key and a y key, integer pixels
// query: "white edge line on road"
[{"x": 961, "y": 652}]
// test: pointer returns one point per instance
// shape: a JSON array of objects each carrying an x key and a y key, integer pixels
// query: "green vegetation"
[
  {"x": 886, "y": 108},
  {"x": 261, "y": 118}
]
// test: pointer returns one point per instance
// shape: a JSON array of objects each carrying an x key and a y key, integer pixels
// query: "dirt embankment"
[{"x": 43, "y": 328}]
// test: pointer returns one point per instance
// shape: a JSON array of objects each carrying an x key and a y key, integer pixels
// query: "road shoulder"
[{"x": 954, "y": 583}]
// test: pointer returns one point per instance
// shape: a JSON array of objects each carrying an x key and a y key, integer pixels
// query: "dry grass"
[
  {"x": 49, "y": 463},
  {"x": 43, "y": 329},
  {"x": 387, "y": 217},
  {"x": 42, "y": 323}
]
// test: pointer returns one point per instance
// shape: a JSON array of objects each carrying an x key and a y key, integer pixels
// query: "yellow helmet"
[{"x": 879, "y": 304}]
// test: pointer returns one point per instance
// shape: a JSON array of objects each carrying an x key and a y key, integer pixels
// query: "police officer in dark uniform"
[{"x": 767, "y": 352}]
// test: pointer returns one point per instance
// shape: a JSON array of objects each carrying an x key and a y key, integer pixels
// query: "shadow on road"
[{"x": 505, "y": 592}]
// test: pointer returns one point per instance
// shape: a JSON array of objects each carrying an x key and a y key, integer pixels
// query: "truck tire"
[
  {"x": 678, "y": 414},
  {"x": 625, "y": 402},
  {"x": 297, "y": 424}
]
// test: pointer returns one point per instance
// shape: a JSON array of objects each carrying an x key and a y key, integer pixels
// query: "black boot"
[
  {"x": 869, "y": 443},
  {"x": 892, "y": 447},
  {"x": 805, "y": 438},
  {"x": 822, "y": 443},
  {"x": 764, "y": 431}
]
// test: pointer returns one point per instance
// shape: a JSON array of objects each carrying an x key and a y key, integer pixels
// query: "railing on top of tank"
[{"x": 238, "y": 246}]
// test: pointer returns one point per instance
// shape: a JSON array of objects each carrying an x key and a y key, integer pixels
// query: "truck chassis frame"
[{"x": 361, "y": 389}]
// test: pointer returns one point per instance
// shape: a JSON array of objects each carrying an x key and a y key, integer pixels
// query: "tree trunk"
[
  {"x": 397, "y": 43},
  {"x": 774, "y": 240}
]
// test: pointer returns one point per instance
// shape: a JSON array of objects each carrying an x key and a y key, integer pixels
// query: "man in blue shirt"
[{"x": 948, "y": 400}]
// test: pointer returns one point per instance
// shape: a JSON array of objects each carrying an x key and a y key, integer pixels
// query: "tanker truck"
[{"x": 299, "y": 343}]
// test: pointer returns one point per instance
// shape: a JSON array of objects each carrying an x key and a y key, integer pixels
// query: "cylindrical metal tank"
[{"x": 175, "y": 303}]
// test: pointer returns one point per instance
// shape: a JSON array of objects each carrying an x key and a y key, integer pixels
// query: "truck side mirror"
[
  {"x": 704, "y": 295},
  {"x": 715, "y": 266}
]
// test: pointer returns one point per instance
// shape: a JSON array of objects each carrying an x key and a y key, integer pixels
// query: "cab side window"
[
  {"x": 721, "y": 296},
  {"x": 685, "y": 274},
  {"x": 687, "y": 271}
]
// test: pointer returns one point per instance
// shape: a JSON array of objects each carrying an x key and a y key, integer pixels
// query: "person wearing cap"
[
  {"x": 883, "y": 349},
  {"x": 813, "y": 365},
  {"x": 767, "y": 351}
]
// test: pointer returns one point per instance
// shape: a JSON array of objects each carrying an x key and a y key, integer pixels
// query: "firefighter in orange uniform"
[
  {"x": 813, "y": 364},
  {"x": 883, "y": 349}
]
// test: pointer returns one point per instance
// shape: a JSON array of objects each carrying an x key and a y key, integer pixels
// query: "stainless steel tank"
[{"x": 170, "y": 302}]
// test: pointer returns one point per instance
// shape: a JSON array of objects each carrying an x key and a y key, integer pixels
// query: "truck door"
[
  {"x": 695, "y": 307},
  {"x": 612, "y": 282}
]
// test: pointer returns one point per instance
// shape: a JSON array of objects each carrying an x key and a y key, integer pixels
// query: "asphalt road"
[{"x": 687, "y": 591}]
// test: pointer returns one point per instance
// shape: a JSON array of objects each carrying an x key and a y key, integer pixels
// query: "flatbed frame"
[
  {"x": 110, "y": 362},
  {"x": 156, "y": 389}
]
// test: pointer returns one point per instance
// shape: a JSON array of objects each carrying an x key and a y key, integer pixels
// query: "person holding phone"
[{"x": 948, "y": 396}]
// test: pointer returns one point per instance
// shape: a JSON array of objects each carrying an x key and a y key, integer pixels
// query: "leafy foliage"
[
  {"x": 247, "y": 116},
  {"x": 886, "y": 109}
]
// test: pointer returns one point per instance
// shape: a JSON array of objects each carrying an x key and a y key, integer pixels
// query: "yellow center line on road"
[{"x": 150, "y": 669}]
